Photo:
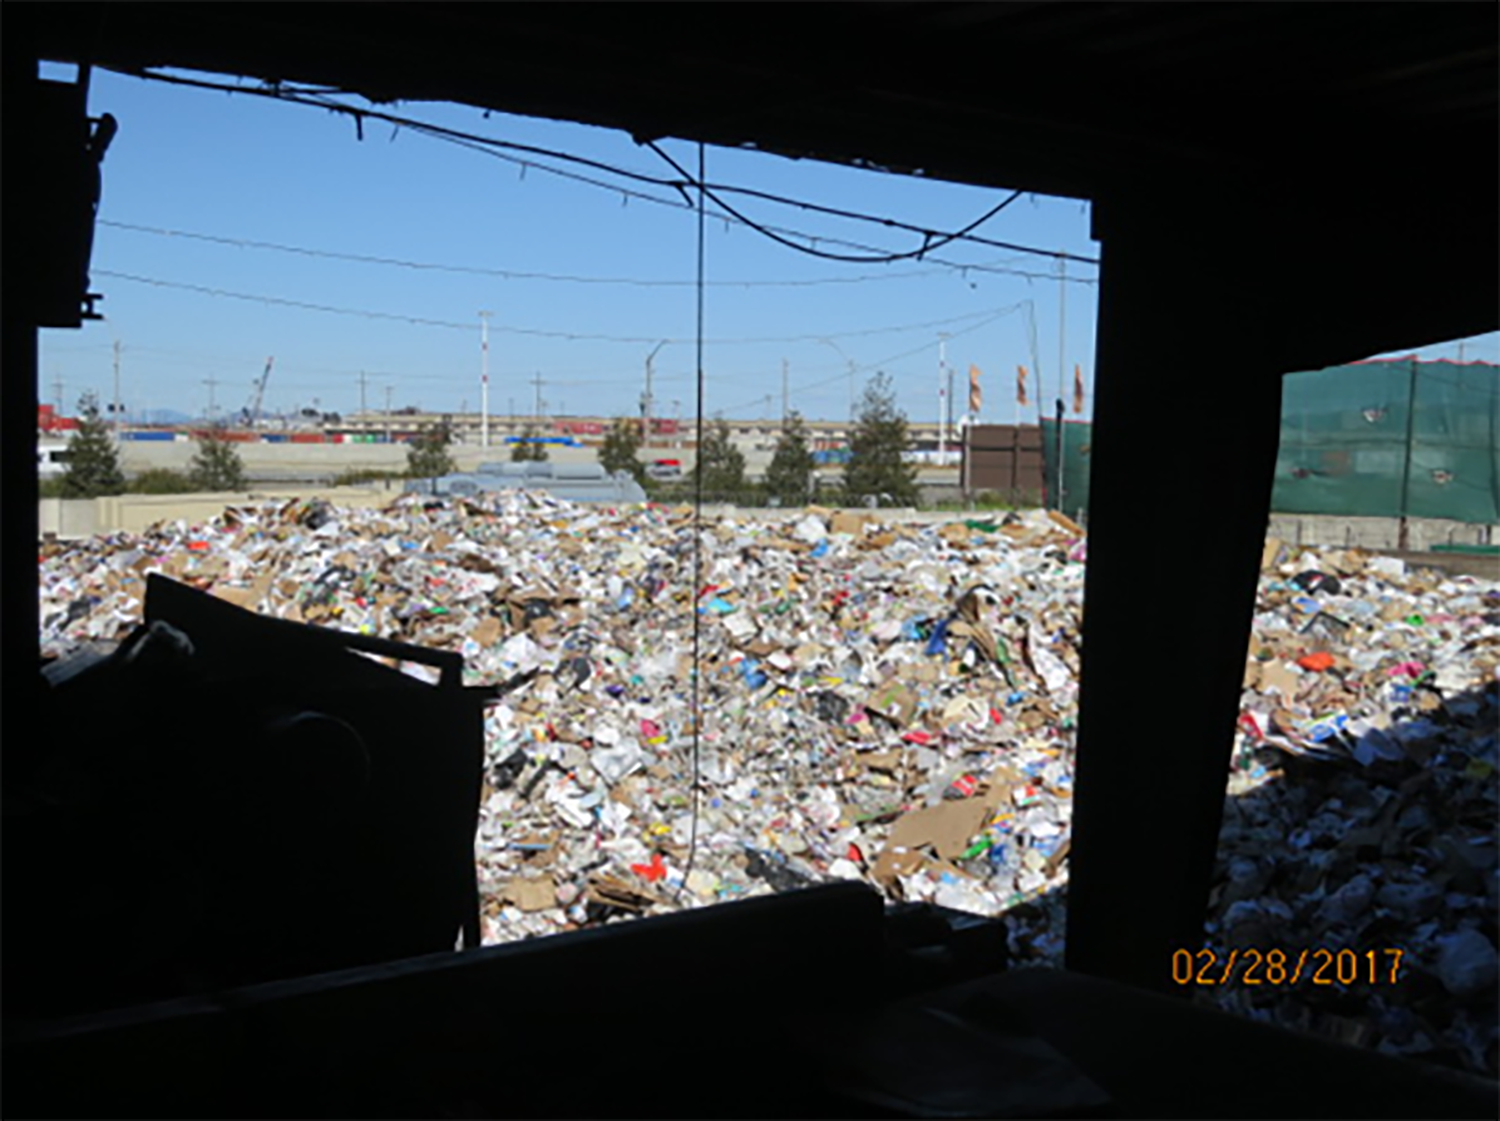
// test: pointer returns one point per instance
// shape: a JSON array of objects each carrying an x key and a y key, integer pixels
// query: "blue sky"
[{"x": 245, "y": 168}]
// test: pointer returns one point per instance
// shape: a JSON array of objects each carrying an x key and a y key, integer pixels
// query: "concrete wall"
[
  {"x": 72, "y": 518},
  {"x": 133, "y": 513},
  {"x": 1376, "y": 533}
]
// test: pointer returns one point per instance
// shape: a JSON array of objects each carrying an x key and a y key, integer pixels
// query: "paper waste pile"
[{"x": 895, "y": 703}]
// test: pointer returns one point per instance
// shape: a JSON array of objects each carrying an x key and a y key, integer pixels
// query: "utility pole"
[
  {"x": 210, "y": 382},
  {"x": 785, "y": 412},
  {"x": 57, "y": 391},
  {"x": 362, "y": 380},
  {"x": 388, "y": 413},
  {"x": 1062, "y": 370},
  {"x": 537, "y": 411},
  {"x": 647, "y": 402},
  {"x": 484, "y": 381},
  {"x": 942, "y": 396},
  {"x": 117, "y": 391},
  {"x": 850, "y": 361},
  {"x": 948, "y": 396}
]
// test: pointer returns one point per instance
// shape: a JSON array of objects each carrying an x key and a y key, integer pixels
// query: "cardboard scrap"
[
  {"x": 1279, "y": 678},
  {"x": 487, "y": 631},
  {"x": 607, "y": 891},
  {"x": 894, "y": 863},
  {"x": 1065, "y": 522},
  {"x": 895, "y": 702},
  {"x": 532, "y": 895},
  {"x": 852, "y": 524},
  {"x": 947, "y": 827}
]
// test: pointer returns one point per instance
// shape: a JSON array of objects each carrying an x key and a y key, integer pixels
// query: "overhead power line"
[
  {"x": 879, "y": 363},
  {"x": 513, "y": 274},
  {"x": 889, "y": 258},
  {"x": 321, "y": 101},
  {"x": 571, "y": 336}
]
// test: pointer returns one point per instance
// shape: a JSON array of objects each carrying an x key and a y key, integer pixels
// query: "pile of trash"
[
  {"x": 1361, "y": 821},
  {"x": 891, "y": 702}
]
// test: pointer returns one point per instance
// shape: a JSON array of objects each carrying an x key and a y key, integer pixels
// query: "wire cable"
[
  {"x": 878, "y": 363},
  {"x": 927, "y": 243},
  {"x": 570, "y": 336},
  {"x": 300, "y": 97},
  {"x": 513, "y": 274},
  {"x": 697, "y": 545}
]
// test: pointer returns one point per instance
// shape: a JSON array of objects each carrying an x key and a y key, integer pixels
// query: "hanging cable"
[
  {"x": 882, "y": 362},
  {"x": 512, "y": 274},
  {"x": 927, "y": 236},
  {"x": 697, "y": 542},
  {"x": 300, "y": 97},
  {"x": 570, "y": 336}
]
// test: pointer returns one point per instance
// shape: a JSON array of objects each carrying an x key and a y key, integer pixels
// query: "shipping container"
[
  {"x": 308, "y": 438},
  {"x": 274, "y": 437}
]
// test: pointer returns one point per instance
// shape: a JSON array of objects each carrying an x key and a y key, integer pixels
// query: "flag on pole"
[
  {"x": 1020, "y": 385},
  {"x": 976, "y": 395},
  {"x": 1078, "y": 389}
]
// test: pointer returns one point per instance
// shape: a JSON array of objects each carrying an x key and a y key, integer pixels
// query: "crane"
[{"x": 251, "y": 412}]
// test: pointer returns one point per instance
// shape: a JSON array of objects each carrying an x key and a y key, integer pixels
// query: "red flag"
[
  {"x": 1020, "y": 385},
  {"x": 1078, "y": 389},
  {"x": 976, "y": 395}
]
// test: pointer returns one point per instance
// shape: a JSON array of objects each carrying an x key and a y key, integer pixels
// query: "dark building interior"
[{"x": 1275, "y": 174}]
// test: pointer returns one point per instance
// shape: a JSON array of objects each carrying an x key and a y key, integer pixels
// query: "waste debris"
[{"x": 892, "y": 702}]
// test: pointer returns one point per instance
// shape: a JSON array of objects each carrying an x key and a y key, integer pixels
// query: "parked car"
[{"x": 664, "y": 469}]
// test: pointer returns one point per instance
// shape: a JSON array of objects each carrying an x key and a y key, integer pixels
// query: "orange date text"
[{"x": 1284, "y": 968}]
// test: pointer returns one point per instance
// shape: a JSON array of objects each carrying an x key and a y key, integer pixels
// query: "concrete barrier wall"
[
  {"x": 133, "y": 513},
  {"x": 68, "y": 517},
  {"x": 1376, "y": 533},
  {"x": 73, "y": 518}
]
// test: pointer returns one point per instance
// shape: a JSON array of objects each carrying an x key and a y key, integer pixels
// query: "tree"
[
  {"x": 621, "y": 445},
  {"x": 526, "y": 451},
  {"x": 428, "y": 457},
  {"x": 789, "y": 478},
  {"x": 216, "y": 466},
  {"x": 879, "y": 440},
  {"x": 93, "y": 461},
  {"x": 161, "y": 480},
  {"x": 721, "y": 464}
]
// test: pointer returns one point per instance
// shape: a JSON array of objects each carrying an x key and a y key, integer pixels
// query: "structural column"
[
  {"x": 1185, "y": 433},
  {"x": 18, "y": 399},
  {"x": 1208, "y": 298}
]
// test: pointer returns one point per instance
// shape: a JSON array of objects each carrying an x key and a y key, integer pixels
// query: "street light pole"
[
  {"x": 942, "y": 397},
  {"x": 646, "y": 400},
  {"x": 850, "y": 361},
  {"x": 484, "y": 391}
]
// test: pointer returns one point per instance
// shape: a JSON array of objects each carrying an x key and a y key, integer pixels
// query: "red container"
[{"x": 309, "y": 438}]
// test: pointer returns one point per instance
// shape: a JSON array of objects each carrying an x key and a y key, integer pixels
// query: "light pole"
[
  {"x": 942, "y": 397},
  {"x": 830, "y": 342},
  {"x": 646, "y": 401},
  {"x": 484, "y": 381}
]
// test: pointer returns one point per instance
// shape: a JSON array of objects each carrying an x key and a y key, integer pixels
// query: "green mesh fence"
[
  {"x": 1370, "y": 439},
  {"x": 1070, "y": 494}
]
